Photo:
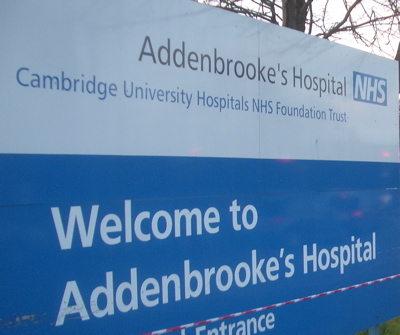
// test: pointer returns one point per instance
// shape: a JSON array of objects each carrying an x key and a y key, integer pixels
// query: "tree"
[{"x": 373, "y": 23}]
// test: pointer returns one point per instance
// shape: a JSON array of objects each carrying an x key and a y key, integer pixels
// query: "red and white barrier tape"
[{"x": 255, "y": 310}]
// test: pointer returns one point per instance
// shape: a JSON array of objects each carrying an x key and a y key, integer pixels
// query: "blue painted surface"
[{"x": 298, "y": 203}]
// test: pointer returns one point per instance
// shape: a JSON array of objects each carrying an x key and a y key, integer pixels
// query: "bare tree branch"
[
  {"x": 310, "y": 25},
  {"x": 336, "y": 28}
]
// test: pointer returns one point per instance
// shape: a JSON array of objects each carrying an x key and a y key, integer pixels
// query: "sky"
[{"x": 336, "y": 11}]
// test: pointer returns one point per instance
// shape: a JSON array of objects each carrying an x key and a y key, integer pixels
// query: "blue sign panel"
[
  {"x": 170, "y": 241},
  {"x": 157, "y": 180}
]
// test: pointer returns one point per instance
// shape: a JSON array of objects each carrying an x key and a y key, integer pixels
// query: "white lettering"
[
  {"x": 339, "y": 256},
  {"x": 108, "y": 292},
  {"x": 75, "y": 216},
  {"x": 71, "y": 289},
  {"x": 132, "y": 287},
  {"x": 105, "y": 229},
  {"x": 112, "y": 227}
]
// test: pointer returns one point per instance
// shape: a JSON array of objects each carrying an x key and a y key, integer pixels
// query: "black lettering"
[{"x": 147, "y": 53}]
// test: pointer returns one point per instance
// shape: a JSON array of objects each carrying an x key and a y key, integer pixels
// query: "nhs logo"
[{"x": 370, "y": 89}]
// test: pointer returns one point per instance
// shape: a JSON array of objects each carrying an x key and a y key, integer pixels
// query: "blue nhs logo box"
[{"x": 370, "y": 89}]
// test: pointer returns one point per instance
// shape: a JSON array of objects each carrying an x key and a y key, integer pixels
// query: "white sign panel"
[{"x": 121, "y": 84}]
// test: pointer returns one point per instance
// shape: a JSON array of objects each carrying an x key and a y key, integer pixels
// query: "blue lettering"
[
  {"x": 369, "y": 89},
  {"x": 18, "y": 76}
]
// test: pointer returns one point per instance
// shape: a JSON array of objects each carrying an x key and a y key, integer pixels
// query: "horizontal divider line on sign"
[{"x": 260, "y": 309}]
